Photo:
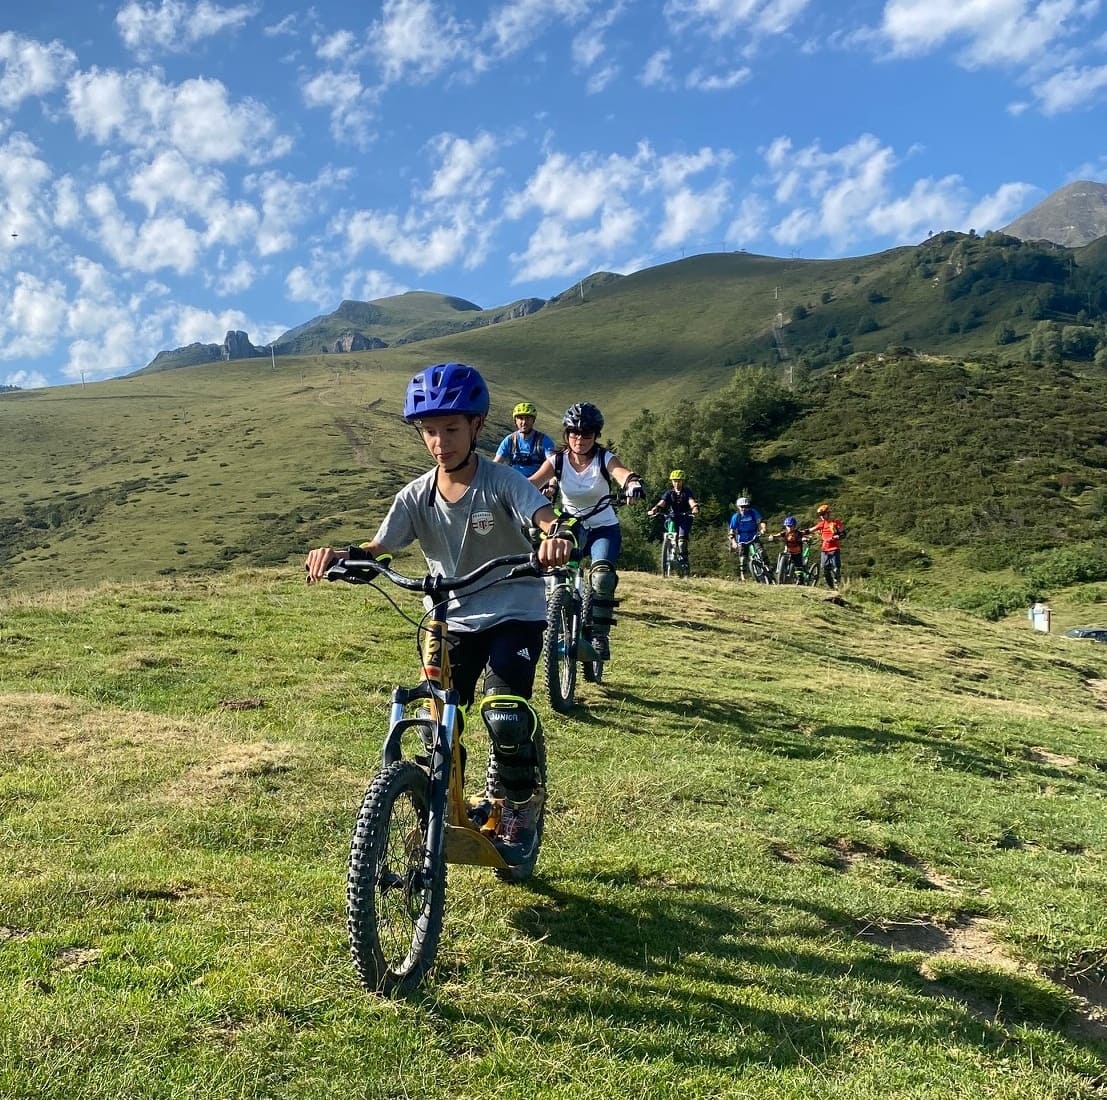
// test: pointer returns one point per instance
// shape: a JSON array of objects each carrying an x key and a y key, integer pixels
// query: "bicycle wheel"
[
  {"x": 783, "y": 569},
  {"x": 760, "y": 569},
  {"x": 520, "y": 872},
  {"x": 561, "y": 669},
  {"x": 394, "y": 918},
  {"x": 666, "y": 556},
  {"x": 593, "y": 670}
]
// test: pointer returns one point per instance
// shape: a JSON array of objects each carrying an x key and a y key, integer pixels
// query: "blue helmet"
[
  {"x": 790, "y": 521},
  {"x": 446, "y": 389}
]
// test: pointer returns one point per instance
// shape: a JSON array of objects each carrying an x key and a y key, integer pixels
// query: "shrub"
[{"x": 994, "y": 601}]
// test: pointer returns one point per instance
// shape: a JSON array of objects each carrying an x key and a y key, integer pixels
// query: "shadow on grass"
[{"x": 759, "y": 979}]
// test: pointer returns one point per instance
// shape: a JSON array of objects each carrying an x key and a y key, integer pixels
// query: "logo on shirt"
[{"x": 482, "y": 522}]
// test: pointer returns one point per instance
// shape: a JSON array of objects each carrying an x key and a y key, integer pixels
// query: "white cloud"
[
  {"x": 1070, "y": 88},
  {"x": 554, "y": 249},
  {"x": 161, "y": 242},
  {"x": 656, "y": 72},
  {"x": 465, "y": 166},
  {"x": 992, "y": 31},
  {"x": 202, "y": 326},
  {"x": 195, "y": 117},
  {"x": 175, "y": 26},
  {"x": 310, "y": 285},
  {"x": 848, "y": 194},
  {"x": 722, "y": 18},
  {"x": 365, "y": 286},
  {"x": 286, "y": 204},
  {"x": 67, "y": 203},
  {"x": 24, "y": 202},
  {"x": 29, "y": 68},
  {"x": 234, "y": 279},
  {"x": 447, "y": 222},
  {"x": 413, "y": 39},
  {"x": 26, "y": 379},
  {"x": 350, "y": 104},
  {"x": 702, "y": 81},
  {"x": 750, "y": 222},
  {"x": 33, "y": 318},
  {"x": 516, "y": 24},
  {"x": 691, "y": 215},
  {"x": 618, "y": 195}
]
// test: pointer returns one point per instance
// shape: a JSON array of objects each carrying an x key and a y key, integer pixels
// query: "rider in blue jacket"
[{"x": 746, "y": 528}]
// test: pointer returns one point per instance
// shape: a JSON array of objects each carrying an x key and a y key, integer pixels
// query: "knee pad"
[
  {"x": 603, "y": 580},
  {"x": 511, "y": 723}
]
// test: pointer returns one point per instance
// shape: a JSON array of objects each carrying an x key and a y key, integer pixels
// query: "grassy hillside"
[
  {"x": 238, "y": 462},
  {"x": 798, "y": 849}
]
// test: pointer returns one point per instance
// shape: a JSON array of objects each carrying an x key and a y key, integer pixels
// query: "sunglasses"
[{"x": 581, "y": 435}]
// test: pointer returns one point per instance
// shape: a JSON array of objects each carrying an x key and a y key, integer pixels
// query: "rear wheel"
[
  {"x": 394, "y": 917},
  {"x": 560, "y": 666}
]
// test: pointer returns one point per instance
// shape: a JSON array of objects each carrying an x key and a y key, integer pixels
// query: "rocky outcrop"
[
  {"x": 522, "y": 308},
  {"x": 356, "y": 341},
  {"x": 236, "y": 345}
]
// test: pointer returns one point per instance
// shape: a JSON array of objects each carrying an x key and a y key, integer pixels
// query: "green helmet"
[
  {"x": 676, "y": 475},
  {"x": 524, "y": 408}
]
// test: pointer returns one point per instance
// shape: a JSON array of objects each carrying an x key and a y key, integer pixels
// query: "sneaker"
[
  {"x": 519, "y": 823},
  {"x": 602, "y": 647}
]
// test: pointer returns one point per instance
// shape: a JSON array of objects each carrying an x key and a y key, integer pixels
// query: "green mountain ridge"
[{"x": 200, "y": 468}]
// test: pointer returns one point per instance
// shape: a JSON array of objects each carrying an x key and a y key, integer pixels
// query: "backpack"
[
  {"x": 539, "y": 440},
  {"x": 559, "y": 465}
]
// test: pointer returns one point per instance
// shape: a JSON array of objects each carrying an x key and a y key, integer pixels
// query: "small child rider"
[
  {"x": 793, "y": 539},
  {"x": 678, "y": 502},
  {"x": 464, "y": 512}
]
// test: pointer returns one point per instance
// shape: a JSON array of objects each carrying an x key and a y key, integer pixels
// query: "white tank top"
[{"x": 581, "y": 490}]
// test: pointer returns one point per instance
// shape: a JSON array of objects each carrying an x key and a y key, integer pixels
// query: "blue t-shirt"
[
  {"x": 744, "y": 525},
  {"x": 526, "y": 455}
]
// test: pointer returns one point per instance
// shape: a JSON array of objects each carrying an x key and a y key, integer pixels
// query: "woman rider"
[{"x": 584, "y": 471}]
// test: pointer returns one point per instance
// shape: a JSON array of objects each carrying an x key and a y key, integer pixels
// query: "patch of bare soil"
[
  {"x": 74, "y": 958},
  {"x": 1098, "y": 688},
  {"x": 1090, "y": 1021},
  {"x": 1056, "y": 759},
  {"x": 230, "y": 766},
  {"x": 31, "y": 721}
]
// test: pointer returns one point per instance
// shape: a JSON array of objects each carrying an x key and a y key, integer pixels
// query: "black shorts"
[{"x": 507, "y": 653}]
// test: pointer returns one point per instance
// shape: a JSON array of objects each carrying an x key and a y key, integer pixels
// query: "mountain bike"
[
  {"x": 760, "y": 569},
  {"x": 415, "y": 817},
  {"x": 569, "y": 624},
  {"x": 807, "y": 573},
  {"x": 671, "y": 559}
]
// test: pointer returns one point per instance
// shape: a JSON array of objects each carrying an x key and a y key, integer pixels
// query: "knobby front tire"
[
  {"x": 394, "y": 920},
  {"x": 560, "y": 666},
  {"x": 760, "y": 570}
]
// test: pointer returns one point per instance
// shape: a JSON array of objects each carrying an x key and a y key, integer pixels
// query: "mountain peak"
[{"x": 1073, "y": 215}]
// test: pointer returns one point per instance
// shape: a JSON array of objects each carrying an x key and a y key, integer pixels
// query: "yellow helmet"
[
  {"x": 821, "y": 509},
  {"x": 676, "y": 475},
  {"x": 524, "y": 408}
]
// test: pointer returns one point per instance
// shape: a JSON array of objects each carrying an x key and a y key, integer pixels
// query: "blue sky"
[{"x": 173, "y": 169}]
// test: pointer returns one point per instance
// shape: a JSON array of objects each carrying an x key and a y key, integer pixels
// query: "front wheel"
[
  {"x": 393, "y": 915},
  {"x": 560, "y": 664},
  {"x": 666, "y": 556},
  {"x": 760, "y": 570}
]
